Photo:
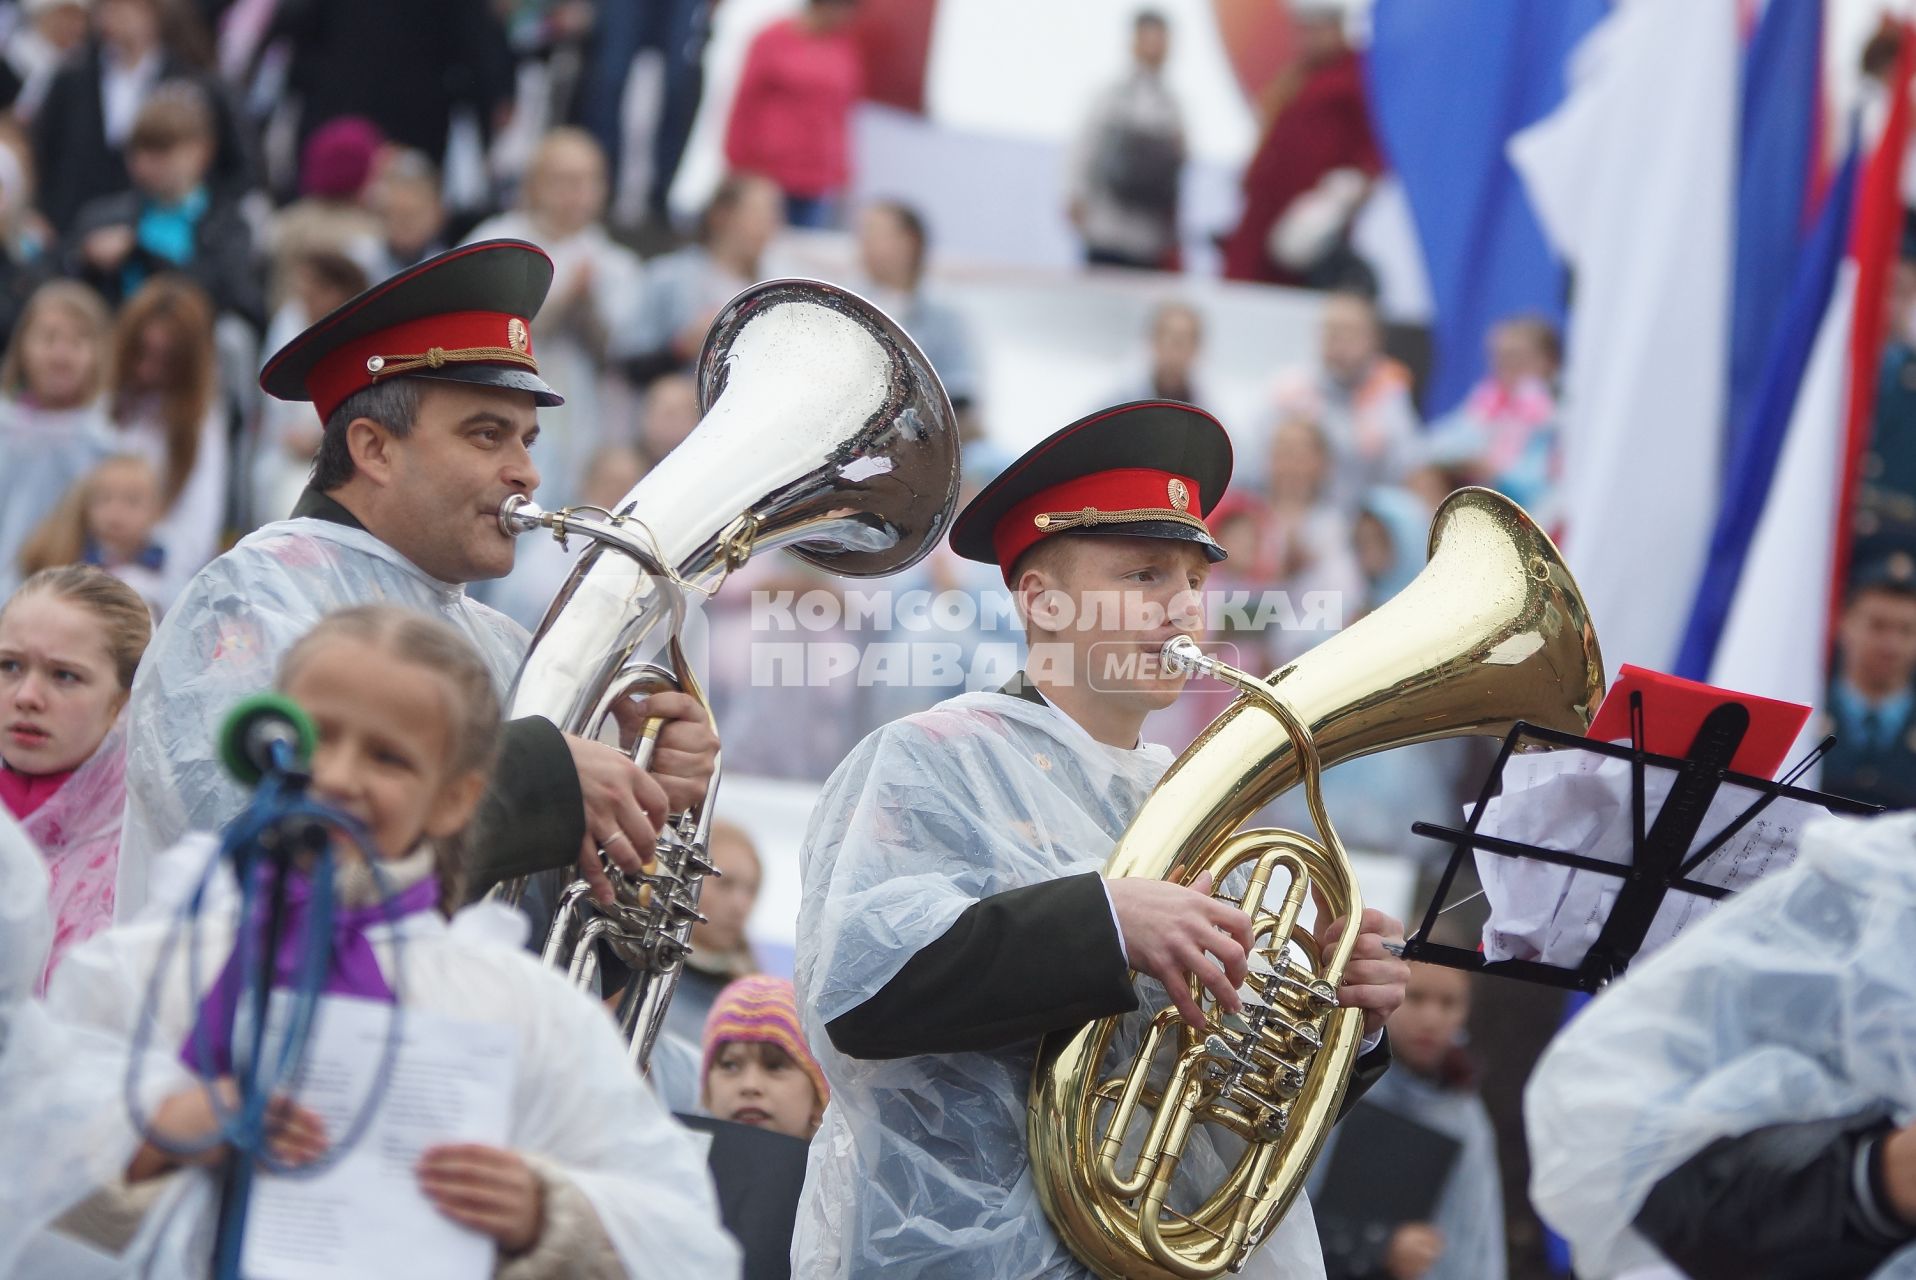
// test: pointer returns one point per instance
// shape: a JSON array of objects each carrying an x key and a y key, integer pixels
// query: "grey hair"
[{"x": 394, "y": 405}]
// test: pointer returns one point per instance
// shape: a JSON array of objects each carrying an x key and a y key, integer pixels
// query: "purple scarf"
[{"x": 354, "y": 971}]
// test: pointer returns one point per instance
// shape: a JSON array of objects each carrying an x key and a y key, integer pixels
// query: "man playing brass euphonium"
[{"x": 953, "y": 911}]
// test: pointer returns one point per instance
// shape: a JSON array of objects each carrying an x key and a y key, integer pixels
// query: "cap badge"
[
  {"x": 516, "y": 336},
  {"x": 1179, "y": 494}
]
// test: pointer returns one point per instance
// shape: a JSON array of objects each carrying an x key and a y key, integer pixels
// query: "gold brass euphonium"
[
  {"x": 824, "y": 430},
  {"x": 1492, "y": 631}
]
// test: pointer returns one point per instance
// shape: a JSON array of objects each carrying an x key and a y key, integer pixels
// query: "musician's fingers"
[
  {"x": 1231, "y": 954},
  {"x": 1382, "y": 926},
  {"x": 1203, "y": 883},
  {"x": 629, "y": 713},
  {"x": 630, "y": 844},
  {"x": 1328, "y": 934},
  {"x": 650, "y": 800},
  {"x": 683, "y": 774},
  {"x": 1212, "y": 975},
  {"x": 1187, "y": 1005},
  {"x": 1384, "y": 972},
  {"x": 696, "y": 738},
  {"x": 1232, "y": 921},
  {"x": 593, "y": 874},
  {"x": 1369, "y": 946},
  {"x": 670, "y": 704}
]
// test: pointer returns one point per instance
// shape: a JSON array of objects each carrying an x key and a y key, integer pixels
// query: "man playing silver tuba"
[{"x": 429, "y": 392}]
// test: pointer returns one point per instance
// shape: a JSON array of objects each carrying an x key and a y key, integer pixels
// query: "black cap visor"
[
  {"x": 1176, "y": 530},
  {"x": 494, "y": 375}
]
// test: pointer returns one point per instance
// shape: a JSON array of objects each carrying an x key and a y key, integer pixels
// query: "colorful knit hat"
[{"x": 761, "y": 1010}]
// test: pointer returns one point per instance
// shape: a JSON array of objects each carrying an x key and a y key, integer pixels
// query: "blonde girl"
[
  {"x": 594, "y": 1179},
  {"x": 70, "y": 641}
]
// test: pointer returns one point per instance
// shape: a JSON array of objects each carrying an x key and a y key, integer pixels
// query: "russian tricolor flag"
[{"x": 1726, "y": 319}]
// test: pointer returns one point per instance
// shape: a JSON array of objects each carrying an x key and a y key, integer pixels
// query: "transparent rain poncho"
[
  {"x": 78, "y": 834},
  {"x": 921, "y": 1167},
  {"x": 62, "y": 1126},
  {"x": 1796, "y": 1000},
  {"x": 578, "y": 1108},
  {"x": 222, "y": 642}
]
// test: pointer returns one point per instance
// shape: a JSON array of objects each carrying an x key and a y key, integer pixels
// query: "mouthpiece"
[
  {"x": 519, "y": 514},
  {"x": 1183, "y": 657}
]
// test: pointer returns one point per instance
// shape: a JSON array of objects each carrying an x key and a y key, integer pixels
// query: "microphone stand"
[{"x": 277, "y": 828}]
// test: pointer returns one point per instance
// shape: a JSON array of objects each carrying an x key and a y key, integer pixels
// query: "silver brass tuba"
[{"x": 826, "y": 431}]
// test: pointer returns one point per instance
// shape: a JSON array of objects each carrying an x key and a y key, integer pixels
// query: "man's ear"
[
  {"x": 372, "y": 447},
  {"x": 1041, "y": 600}
]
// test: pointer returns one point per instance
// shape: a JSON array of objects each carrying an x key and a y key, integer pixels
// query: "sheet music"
[
  {"x": 1579, "y": 802},
  {"x": 365, "y": 1214}
]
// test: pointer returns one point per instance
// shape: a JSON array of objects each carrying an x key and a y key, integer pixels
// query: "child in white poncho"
[{"x": 595, "y": 1179}]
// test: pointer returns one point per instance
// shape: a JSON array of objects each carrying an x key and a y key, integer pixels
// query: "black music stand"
[{"x": 1662, "y": 857}]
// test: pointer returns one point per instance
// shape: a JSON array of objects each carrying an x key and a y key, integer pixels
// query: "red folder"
[{"x": 1673, "y": 711}]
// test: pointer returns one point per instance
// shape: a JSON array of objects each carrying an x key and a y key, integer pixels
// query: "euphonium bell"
[
  {"x": 825, "y": 431},
  {"x": 1492, "y": 631}
]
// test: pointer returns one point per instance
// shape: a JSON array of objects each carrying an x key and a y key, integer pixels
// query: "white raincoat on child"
[
  {"x": 62, "y": 1126},
  {"x": 921, "y": 1167},
  {"x": 1794, "y": 1001},
  {"x": 577, "y": 1106},
  {"x": 222, "y": 642}
]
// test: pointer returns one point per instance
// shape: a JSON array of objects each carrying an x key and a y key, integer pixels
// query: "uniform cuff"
[{"x": 1116, "y": 927}]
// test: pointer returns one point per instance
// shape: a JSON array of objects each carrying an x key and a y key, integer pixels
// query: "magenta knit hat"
[
  {"x": 761, "y": 1010},
  {"x": 338, "y": 158}
]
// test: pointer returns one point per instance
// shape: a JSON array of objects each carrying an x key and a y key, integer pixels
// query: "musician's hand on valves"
[
  {"x": 624, "y": 808},
  {"x": 1374, "y": 979},
  {"x": 1172, "y": 932},
  {"x": 687, "y": 750}
]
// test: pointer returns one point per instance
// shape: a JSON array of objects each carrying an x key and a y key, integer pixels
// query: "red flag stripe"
[{"x": 1873, "y": 245}]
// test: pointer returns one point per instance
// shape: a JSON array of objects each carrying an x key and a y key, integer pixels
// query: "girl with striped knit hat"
[{"x": 757, "y": 1068}]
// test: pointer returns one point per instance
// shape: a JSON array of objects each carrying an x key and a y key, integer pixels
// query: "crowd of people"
[{"x": 190, "y": 192}]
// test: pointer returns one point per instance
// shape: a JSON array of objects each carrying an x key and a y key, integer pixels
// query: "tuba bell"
[
  {"x": 824, "y": 430},
  {"x": 1492, "y": 631}
]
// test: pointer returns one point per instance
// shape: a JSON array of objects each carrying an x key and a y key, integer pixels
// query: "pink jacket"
[{"x": 791, "y": 120}]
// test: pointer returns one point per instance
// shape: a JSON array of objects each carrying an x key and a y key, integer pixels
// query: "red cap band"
[
  {"x": 459, "y": 337},
  {"x": 1104, "y": 497}
]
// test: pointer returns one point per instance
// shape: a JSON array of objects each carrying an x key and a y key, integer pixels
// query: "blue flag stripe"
[{"x": 1754, "y": 454}]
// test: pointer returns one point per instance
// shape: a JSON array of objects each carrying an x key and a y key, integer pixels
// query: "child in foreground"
[{"x": 594, "y": 1180}]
